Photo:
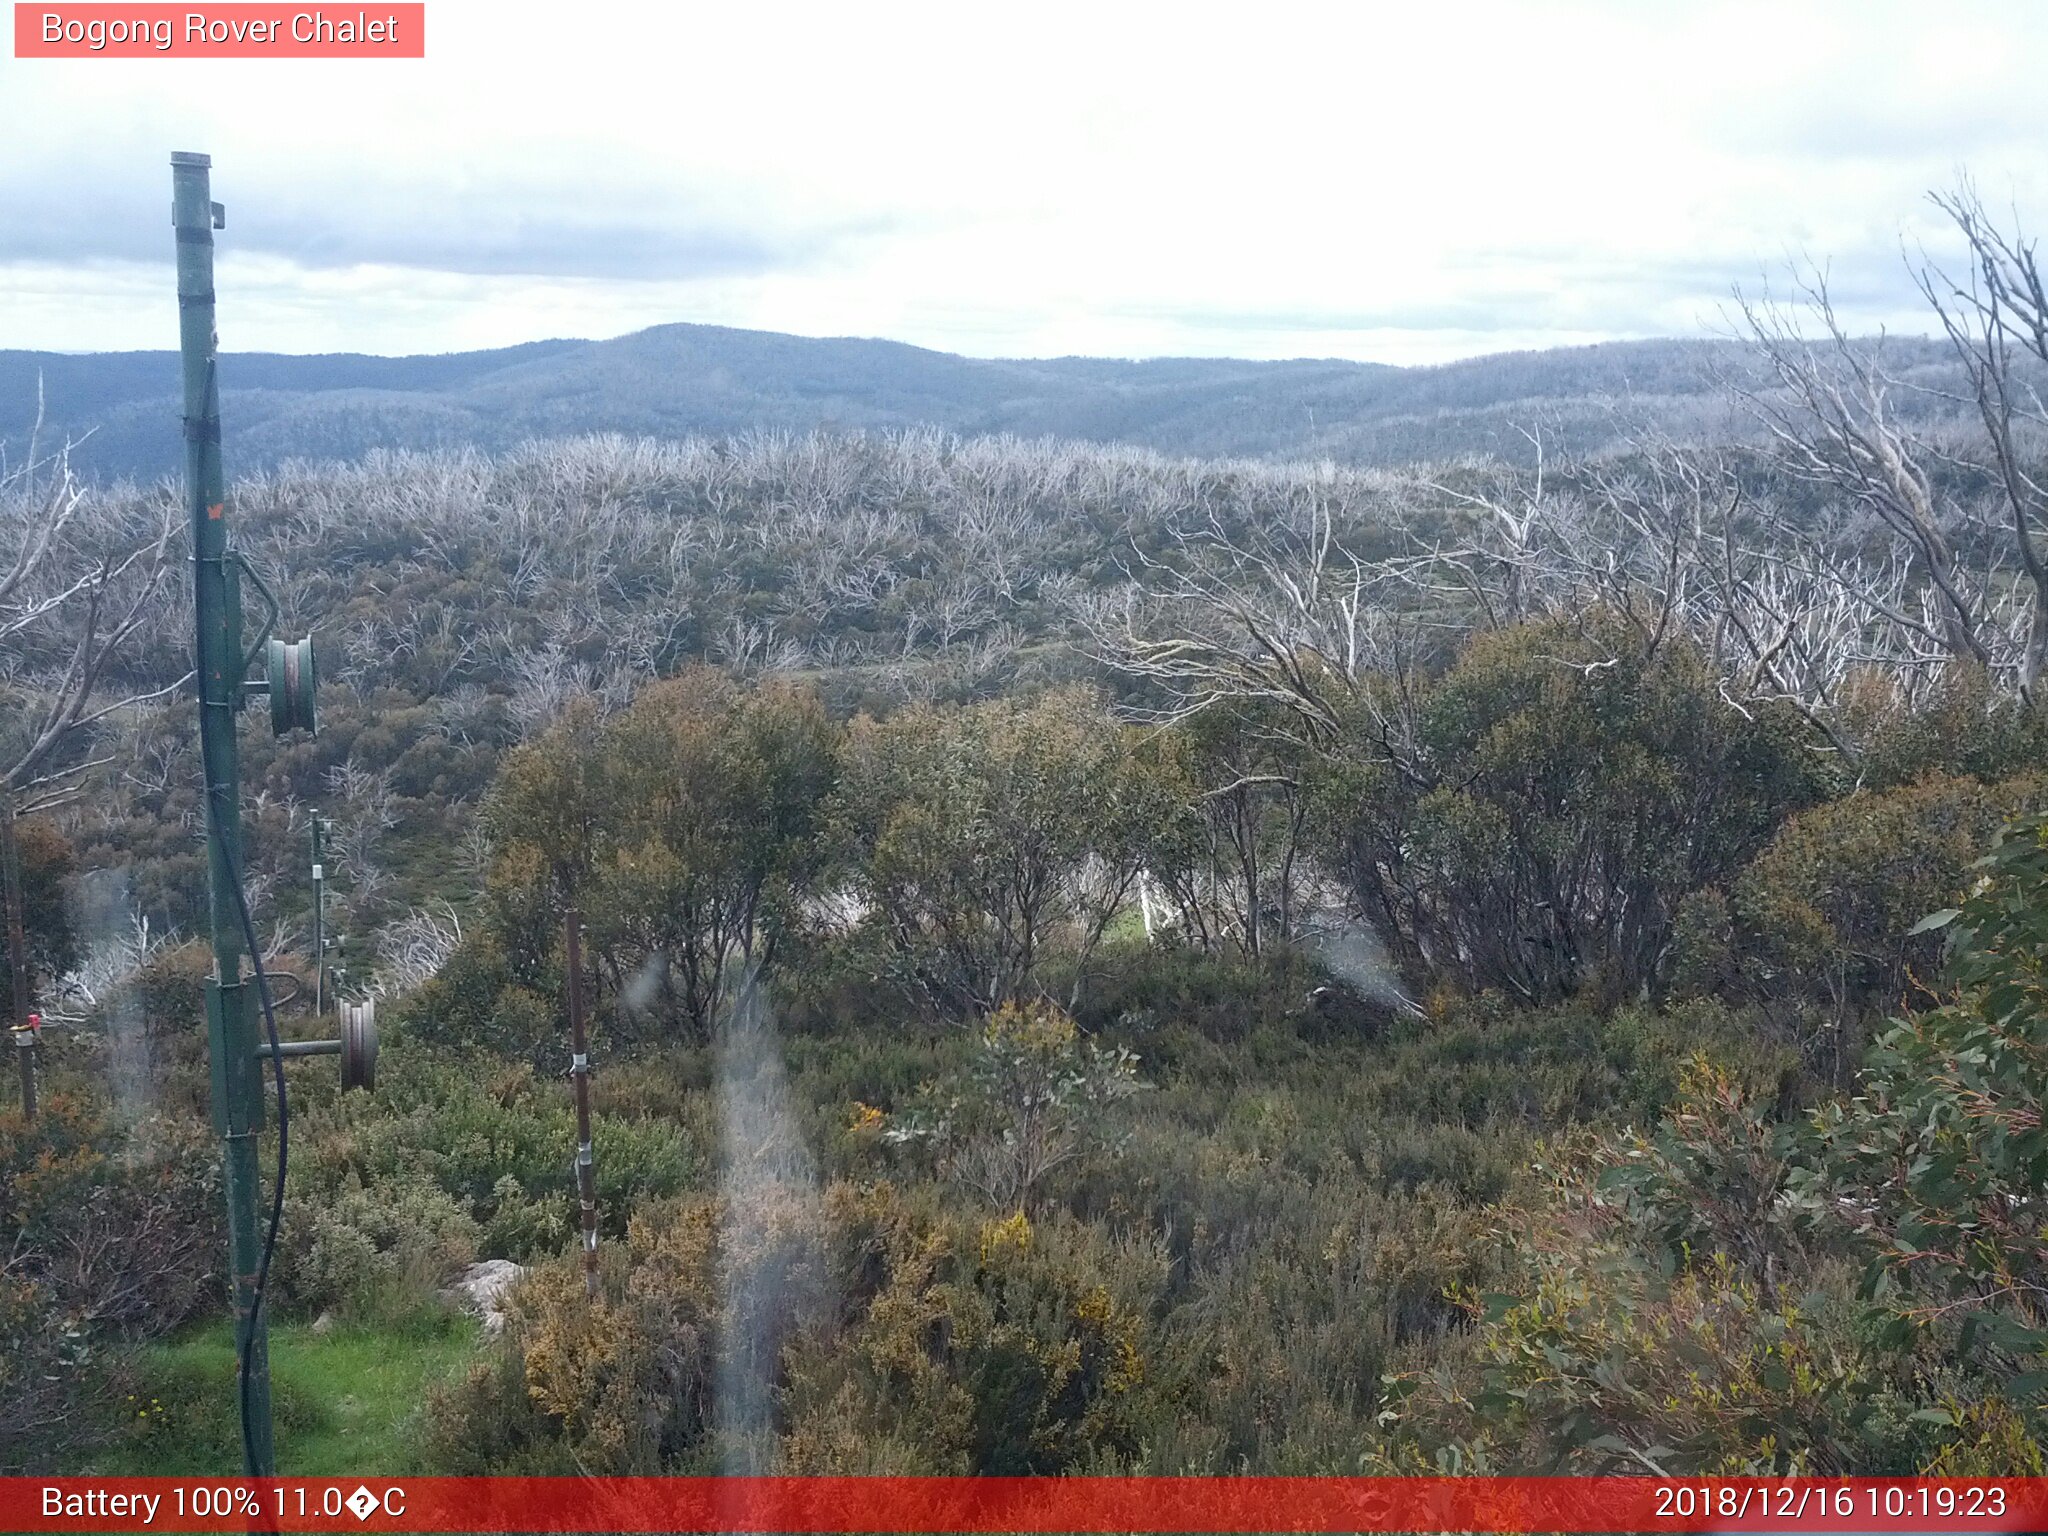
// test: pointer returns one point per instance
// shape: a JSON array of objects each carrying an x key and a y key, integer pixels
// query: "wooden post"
[{"x": 579, "y": 1074}]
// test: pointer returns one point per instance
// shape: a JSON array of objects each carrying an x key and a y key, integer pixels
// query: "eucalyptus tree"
[
  {"x": 981, "y": 840},
  {"x": 685, "y": 827}
]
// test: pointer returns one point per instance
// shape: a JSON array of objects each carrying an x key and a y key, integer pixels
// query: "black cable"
[
  {"x": 284, "y": 1125},
  {"x": 245, "y": 1347}
]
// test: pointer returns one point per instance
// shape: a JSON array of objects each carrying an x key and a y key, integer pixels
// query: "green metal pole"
[{"x": 217, "y": 611}]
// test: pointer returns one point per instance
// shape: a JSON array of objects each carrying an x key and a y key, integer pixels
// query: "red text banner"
[
  {"x": 227, "y": 31},
  {"x": 1022, "y": 1504}
]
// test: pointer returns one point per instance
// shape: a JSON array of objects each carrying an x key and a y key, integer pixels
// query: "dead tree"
[
  {"x": 1283, "y": 615},
  {"x": 1997, "y": 319},
  {"x": 72, "y": 596},
  {"x": 1828, "y": 406},
  {"x": 65, "y": 619}
]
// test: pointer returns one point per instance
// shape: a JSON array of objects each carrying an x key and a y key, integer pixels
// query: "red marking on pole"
[{"x": 214, "y": 511}]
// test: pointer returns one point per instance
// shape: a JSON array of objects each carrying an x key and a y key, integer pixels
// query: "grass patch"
[{"x": 344, "y": 1403}]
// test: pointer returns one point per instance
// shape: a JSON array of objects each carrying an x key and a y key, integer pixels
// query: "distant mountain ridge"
[{"x": 677, "y": 380}]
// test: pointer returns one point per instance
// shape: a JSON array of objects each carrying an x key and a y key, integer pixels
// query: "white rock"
[{"x": 481, "y": 1289}]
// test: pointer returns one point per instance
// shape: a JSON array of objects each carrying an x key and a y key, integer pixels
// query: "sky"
[{"x": 1400, "y": 183}]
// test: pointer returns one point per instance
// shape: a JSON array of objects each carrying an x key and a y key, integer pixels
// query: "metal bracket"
[
  {"x": 288, "y": 674},
  {"x": 269, "y": 601},
  {"x": 357, "y": 1046}
]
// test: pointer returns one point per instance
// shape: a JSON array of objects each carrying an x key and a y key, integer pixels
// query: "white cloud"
[{"x": 1403, "y": 184}]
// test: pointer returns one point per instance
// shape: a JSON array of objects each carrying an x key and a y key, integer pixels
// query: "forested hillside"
[
  {"x": 1101, "y": 960},
  {"x": 678, "y": 380}
]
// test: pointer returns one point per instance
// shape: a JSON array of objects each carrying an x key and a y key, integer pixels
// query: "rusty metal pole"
[
  {"x": 17, "y": 958},
  {"x": 579, "y": 1073},
  {"x": 319, "y": 926}
]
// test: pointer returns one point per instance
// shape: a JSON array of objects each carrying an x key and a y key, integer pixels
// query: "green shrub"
[
  {"x": 149, "y": 1033},
  {"x": 621, "y": 1384},
  {"x": 685, "y": 830},
  {"x": 1824, "y": 917},
  {"x": 474, "y": 1001},
  {"x": 1713, "y": 1183},
  {"x": 1968, "y": 727},
  {"x": 44, "y": 1357},
  {"x": 963, "y": 1346},
  {"x": 373, "y": 1253},
  {"x": 524, "y": 1229},
  {"x": 1140, "y": 989},
  {"x": 112, "y": 1236},
  {"x": 1033, "y": 1096},
  {"x": 46, "y": 861},
  {"x": 1004, "y": 1347},
  {"x": 1596, "y": 1364},
  {"x": 1563, "y": 793},
  {"x": 981, "y": 840},
  {"x": 442, "y": 1121},
  {"x": 1940, "y": 1161}
]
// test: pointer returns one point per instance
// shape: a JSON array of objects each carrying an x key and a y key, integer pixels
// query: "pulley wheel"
[
  {"x": 290, "y": 663},
  {"x": 359, "y": 1044}
]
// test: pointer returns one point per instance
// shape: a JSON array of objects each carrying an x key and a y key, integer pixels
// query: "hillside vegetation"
[
  {"x": 1101, "y": 961},
  {"x": 678, "y": 380}
]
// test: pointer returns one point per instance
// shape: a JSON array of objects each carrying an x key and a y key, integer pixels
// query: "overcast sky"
[{"x": 1394, "y": 182}]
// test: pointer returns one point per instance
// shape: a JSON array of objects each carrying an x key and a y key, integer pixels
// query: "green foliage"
[
  {"x": 1139, "y": 989},
  {"x": 620, "y": 1384},
  {"x": 1710, "y": 1183},
  {"x": 1042, "y": 1368},
  {"x": 684, "y": 828},
  {"x": 1600, "y": 1365},
  {"x": 111, "y": 1236},
  {"x": 1822, "y": 920},
  {"x": 170, "y": 990},
  {"x": 375, "y": 1253},
  {"x": 115, "y": 1220},
  {"x": 1034, "y": 1095},
  {"x": 1689, "y": 1309},
  {"x": 1233, "y": 861},
  {"x": 1317, "y": 1215},
  {"x": 1038, "y": 1366},
  {"x": 1941, "y": 1160},
  {"x": 1966, "y": 727},
  {"x": 1686, "y": 1307},
  {"x": 47, "y": 862},
  {"x": 1276, "y": 1227},
  {"x": 1569, "y": 791},
  {"x": 978, "y": 836},
  {"x": 499, "y": 1145},
  {"x": 521, "y": 1227},
  {"x": 43, "y": 1360},
  {"x": 474, "y": 1001}
]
